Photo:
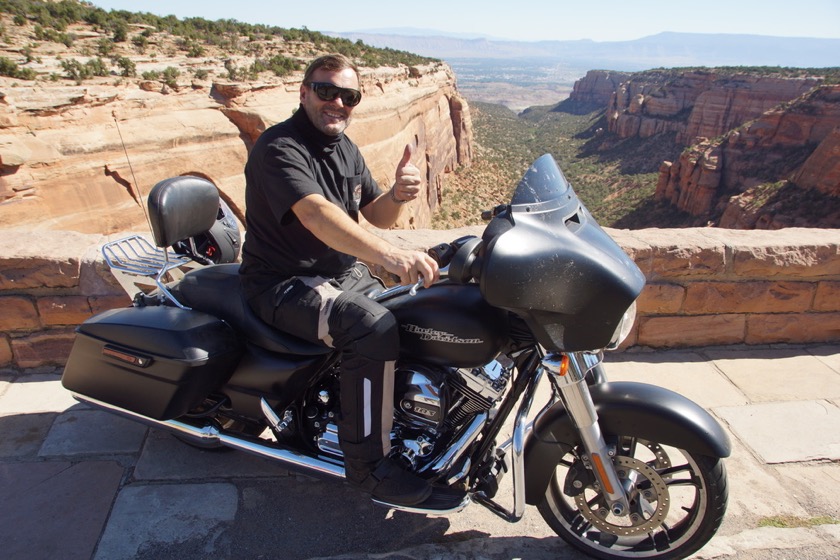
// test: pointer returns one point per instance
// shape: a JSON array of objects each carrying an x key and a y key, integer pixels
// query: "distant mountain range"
[{"x": 661, "y": 50}]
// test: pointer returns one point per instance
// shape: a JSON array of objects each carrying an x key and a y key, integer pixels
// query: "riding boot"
[{"x": 364, "y": 431}]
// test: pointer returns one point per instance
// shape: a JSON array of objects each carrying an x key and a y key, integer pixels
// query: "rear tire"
[{"x": 678, "y": 500}]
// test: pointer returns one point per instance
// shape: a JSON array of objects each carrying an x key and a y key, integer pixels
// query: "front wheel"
[{"x": 677, "y": 502}]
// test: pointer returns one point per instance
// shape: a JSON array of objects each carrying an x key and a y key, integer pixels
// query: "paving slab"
[
  {"x": 85, "y": 432},
  {"x": 36, "y": 393},
  {"x": 762, "y": 538},
  {"x": 812, "y": 484},
  {"x": 687, "y": 373},
  {"x": 829, "y": 355},
  {"x": 298, "y": 520},
  {"x": 166, "y": 458},
  {"x": 785, "y": 432},
  {"x": 148, "y": 516},
  {"x": 778, "y": 374},
  {"x": 23, "y": 434},
  {"x": 755, "y": 492},
  {"x": 55, "y": 509}
]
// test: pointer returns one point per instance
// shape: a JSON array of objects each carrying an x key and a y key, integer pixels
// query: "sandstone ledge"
[{"x": 705, "y": 287}]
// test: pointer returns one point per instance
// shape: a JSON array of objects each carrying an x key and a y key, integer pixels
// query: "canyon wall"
[
  {"x": 597, "y": 87},
  {"x": 694, "y": 105},
  {"x": 760, "y": 149},
  {"x": 796, "y": 141},
  {"x": 81, "y": 158},
  {"x": 706, "y": 286}
]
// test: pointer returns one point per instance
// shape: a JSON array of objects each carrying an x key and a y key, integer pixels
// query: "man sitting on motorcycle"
[{"x": 306, "y": 183}]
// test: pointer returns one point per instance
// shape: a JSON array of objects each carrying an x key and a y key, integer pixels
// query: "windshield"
[
  {"x": 543, "y": 182},
  {"x": 547, "y": 260}
]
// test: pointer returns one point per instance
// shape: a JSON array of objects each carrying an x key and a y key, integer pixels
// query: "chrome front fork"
[{"x": 568, "y": 373}]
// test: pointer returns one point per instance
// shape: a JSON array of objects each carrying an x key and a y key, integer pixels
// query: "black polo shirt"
[{"x": 289, "y": 161}]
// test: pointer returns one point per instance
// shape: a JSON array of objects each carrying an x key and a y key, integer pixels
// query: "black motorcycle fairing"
[
  {"x": 624, "y": 408},
  {"x": 547, "y": 260},
  {"x": 217, "y": 290}
]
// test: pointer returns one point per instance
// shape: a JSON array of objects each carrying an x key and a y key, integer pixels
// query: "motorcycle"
[{"x": 617, "y": 469}]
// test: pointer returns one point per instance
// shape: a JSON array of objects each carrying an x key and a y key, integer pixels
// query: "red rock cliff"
[
  {"x": 597, "y": 86},
  {"x": 65, "y": 150},
  {"x": 695, "y": 105},
  {"x": 797, "y": 143}
]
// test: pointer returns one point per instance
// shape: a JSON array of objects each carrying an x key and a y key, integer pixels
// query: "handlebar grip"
[{"x": 442, "y": 254}]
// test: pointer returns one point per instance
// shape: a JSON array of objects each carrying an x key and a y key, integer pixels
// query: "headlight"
[{"x": 624, "y": 327}]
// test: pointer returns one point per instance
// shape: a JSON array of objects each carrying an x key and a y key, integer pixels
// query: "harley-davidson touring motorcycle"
[{"x": 617, "y": 469}]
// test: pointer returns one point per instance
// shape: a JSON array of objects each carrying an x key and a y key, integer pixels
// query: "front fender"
[{"x": 624, "y": 408}]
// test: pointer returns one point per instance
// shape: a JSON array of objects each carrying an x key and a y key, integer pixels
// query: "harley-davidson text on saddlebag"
[{"x": 184, "y": 355}]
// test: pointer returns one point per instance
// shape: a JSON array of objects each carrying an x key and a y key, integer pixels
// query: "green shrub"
[{"x": 11, "y": 69}]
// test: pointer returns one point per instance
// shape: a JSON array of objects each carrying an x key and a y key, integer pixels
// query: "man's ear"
[{"x": 303, "y": 91}]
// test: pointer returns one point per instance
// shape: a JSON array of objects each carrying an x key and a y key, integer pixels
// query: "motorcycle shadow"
[
  {"x": 285, "y": 514},
  {"x": 282, "y": 513}
]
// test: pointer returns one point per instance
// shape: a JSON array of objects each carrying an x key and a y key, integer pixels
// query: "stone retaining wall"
[{"x": 705, "y": 287}]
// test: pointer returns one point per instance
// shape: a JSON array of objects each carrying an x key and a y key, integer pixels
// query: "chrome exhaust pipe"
[{"x": 209, "y": 435}]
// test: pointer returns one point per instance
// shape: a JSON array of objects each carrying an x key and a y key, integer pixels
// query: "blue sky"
[{"x": 523, "y": 20}]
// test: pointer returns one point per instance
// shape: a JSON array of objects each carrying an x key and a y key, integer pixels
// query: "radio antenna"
[{"x": 131, "y": 170}]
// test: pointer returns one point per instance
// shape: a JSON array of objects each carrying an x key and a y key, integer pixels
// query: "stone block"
[
  {"x": 63, "y": 310},
  {"x": 747, "y": 297},
  {"x": 683, "y": 253},
  {"x": 31, "y": 259},
  {"x": 98, "y": 304},
  {"x": 6, "y": 356},
  {"x": 827, "y": 297},
  {"x": 793, "y": 254},
  {"x": 50, "y": 347},
  {"x": 696, "y": 330},
  {"x": 18, "y": 313},
  {"x": 793, "y": 328},
  {"x": 661, "y": 299}
]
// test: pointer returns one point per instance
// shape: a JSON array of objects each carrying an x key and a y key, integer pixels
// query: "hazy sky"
[{"x": 523, "y": 20}]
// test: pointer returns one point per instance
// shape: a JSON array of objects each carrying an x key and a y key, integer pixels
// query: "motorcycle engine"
[{"x": 433, "y": 406}]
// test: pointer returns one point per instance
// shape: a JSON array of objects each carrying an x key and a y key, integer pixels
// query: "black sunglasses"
[{"x": 328, "y": 92}]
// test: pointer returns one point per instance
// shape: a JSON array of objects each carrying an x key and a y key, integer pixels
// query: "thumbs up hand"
[{"x": 407, "y": 178}]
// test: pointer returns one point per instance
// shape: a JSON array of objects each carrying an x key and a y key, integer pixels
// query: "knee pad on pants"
[{"x": 362, "y": 326}]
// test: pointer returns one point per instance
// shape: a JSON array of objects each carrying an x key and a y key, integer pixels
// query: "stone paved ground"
[{"x": 80, "y": 483}]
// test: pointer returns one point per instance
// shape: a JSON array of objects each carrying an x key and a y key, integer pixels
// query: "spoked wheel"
[{"x": 677, "y": 501}]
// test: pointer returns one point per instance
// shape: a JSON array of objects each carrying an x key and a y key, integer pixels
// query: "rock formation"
[
  {"x": 82, "y": 157},
  {"x": 796, "y": 142},
  {"x": 597, "y": 87},
  {"x": 698, "y": 104},
  {"x": 760, "y": 149}
]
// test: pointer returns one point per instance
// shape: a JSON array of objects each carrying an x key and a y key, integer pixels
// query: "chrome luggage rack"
[{"x": 135, "y": 256}]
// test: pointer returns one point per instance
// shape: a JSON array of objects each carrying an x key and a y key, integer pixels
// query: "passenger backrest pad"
[{"x": 181, "y": 207}]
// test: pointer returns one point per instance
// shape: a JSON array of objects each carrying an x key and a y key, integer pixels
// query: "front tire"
[{"x": 677, "y": 499}]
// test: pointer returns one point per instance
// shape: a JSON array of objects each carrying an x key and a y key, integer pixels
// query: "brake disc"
[{"x": 648, "y": 509}]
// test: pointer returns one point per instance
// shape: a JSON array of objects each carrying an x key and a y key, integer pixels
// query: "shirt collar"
[{"x": 312, "y": 134}]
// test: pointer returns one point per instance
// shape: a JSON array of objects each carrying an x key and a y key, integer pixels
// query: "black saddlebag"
[{"x": 156, "y": 361}]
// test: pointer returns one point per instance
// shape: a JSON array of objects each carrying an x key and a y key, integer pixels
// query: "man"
[{"x": 306, "y": 184}]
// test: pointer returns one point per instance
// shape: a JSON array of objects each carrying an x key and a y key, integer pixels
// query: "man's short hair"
[{"x": 330, "y": 63}]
